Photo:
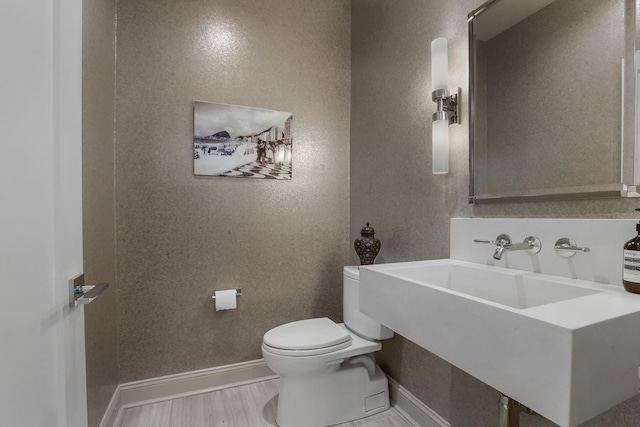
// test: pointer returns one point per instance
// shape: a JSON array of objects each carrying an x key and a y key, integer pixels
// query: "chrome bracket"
[{"x": 448, "y": 106}]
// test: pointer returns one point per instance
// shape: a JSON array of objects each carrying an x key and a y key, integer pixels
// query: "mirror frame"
[{"x": 629, "y": 185}]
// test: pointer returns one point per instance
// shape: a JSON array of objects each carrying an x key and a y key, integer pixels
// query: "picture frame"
[{"x": 241, "y": 142}]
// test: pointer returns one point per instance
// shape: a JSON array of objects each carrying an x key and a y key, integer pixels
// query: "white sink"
[
  {"x": 514, "y": 288},
  {"x": 566, "y": 348}
]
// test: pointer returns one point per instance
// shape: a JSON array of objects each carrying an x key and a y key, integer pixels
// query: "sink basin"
[
  {"x": 566, "y": 348},
  {"x": 500, "y": 285}
]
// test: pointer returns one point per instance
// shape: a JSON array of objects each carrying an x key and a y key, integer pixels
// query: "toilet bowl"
[{"x": 327, "y": 371}]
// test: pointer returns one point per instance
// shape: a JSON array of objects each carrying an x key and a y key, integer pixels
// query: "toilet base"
[{"x": 354, "y": 389}]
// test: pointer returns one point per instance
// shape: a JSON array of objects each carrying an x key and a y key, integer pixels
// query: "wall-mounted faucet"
[{"x": 503, "y": 243}]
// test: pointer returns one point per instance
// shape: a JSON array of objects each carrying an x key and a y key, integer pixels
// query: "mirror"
[{"x": 547, "y": 97}]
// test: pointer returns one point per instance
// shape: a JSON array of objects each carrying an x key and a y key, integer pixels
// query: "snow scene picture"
[{"x": 243, "y": 142}]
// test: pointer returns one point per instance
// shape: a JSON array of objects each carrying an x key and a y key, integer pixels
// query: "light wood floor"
[{"x": 252, "y": 405}]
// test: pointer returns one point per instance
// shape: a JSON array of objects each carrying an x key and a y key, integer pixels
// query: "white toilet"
[{"x": 327, "y": 371}]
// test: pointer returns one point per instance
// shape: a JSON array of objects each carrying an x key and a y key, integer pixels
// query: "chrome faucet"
[{"x": 503, "y": 243}]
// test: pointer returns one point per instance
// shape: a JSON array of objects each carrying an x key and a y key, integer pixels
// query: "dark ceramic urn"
[{"x": 367, "y": 246}]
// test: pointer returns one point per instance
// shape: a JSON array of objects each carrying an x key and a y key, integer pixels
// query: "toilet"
[{"x": 327, "y": 371}]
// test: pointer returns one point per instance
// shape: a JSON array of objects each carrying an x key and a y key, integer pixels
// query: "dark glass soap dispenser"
[{"x": 631, "y": 270}]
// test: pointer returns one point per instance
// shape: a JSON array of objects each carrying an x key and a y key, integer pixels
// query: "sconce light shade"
[
  {"x": 440, "y": 146},
  {"x": 439, "y": 64},
  {"x": 447, "y": 110}
]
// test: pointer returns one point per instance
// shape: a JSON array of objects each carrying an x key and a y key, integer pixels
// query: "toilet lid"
[{"x": 307, "y": 334}]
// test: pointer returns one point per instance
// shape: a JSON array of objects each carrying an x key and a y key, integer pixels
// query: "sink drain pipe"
[{"x": 510, "y": 412}]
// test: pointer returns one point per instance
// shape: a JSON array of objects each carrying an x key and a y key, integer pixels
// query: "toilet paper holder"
[{"x": 238, "y": 293}]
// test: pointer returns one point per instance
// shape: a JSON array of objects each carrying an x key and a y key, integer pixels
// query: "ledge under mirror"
[{"x": 552, "y": 100}]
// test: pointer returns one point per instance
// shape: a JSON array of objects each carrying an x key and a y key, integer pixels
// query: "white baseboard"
[
  {"x": 138, "y": 393},
  {"x": 142, "y": 392},
  {"x": 110, "y": 415},
  {"x": 412, "y": 408}
]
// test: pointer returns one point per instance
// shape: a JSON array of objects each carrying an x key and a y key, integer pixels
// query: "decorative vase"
[{"x": 367, "y": 245}]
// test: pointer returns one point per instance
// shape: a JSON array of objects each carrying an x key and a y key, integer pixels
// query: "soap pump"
[{"x": 631, "y": 263}]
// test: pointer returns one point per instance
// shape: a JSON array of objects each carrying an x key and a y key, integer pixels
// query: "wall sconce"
[{"x": 447, "y": 111}]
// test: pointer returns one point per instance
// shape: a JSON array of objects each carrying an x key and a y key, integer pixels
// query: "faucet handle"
[
  {"x": 566, "y": 247},
  {"x": 501, "y": 240}
]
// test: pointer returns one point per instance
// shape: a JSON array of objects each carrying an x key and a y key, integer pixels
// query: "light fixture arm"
[{"x": 447, "y": 106}]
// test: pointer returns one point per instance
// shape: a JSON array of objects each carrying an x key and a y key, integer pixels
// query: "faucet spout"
[
  {"x": 527, "y": 244},
  {"x": 530, "y": 243}
]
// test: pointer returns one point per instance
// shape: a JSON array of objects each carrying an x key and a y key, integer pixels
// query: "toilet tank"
[{"x": 357, "y": 322}]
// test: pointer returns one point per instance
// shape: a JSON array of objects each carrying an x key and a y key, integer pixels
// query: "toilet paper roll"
[{"x": 226, "y": 300}]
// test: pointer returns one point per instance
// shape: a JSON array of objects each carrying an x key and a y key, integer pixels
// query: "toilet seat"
[{"x": 308, "y": 337}]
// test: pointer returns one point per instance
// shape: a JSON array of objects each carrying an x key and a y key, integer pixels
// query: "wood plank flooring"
[{"x": 252, "y": 405}]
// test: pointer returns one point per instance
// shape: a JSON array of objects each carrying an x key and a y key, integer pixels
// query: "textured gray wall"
[
  {"x": 181, "y": 237},
  {"x": 393, "y": 188},
  {"x": 98, "y": 197}
]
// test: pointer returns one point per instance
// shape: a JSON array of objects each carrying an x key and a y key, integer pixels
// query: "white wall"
[{"x": 42, "y": 371}]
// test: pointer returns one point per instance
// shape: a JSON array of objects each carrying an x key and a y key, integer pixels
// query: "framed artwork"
[{"x": 241, "y": 142}]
